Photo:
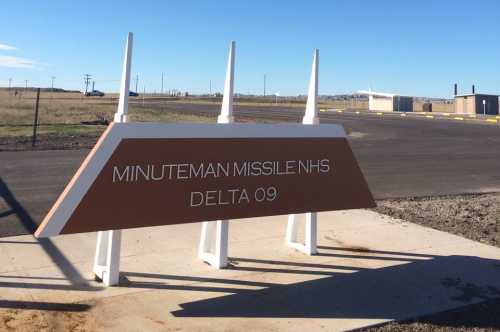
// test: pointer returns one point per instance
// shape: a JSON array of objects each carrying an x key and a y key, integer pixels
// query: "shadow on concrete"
[
  {"x": 196, "y": 279},
  {"x": 163, "y": 285},
  {"x": 78, "y": 282},
  {"x": 49, "y": 306},
  {"x": 382, "y": 252},
  {"x": 414, "y": 288}
]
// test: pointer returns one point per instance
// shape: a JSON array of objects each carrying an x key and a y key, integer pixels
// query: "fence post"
[{"x": 35, "y": 121}]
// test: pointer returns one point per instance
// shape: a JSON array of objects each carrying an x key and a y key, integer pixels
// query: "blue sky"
[{"x": 410, "y": 47}]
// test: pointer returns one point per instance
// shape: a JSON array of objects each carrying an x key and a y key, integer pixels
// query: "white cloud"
[
  {"x": 4, "y": 47},
  {"x": 16, "y": 62}
]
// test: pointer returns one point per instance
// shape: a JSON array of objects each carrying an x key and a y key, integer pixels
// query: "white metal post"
[
  {"x": 213, "y": 247},
  {"x": 310, "y": 118},
  {"x": 107, "y": 257}
]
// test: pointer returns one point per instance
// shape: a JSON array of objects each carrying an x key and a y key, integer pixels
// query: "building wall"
[
  {"x": 465, "y": 105},
  {"x": 471, "y": 105},
  {"x": 491, "y": 104},
  {"x": 403, "y": 104},
  {"x": 382, "y": 104},
  {"x": 474, "y": 104},
  {"x": 458, "y": 105}
]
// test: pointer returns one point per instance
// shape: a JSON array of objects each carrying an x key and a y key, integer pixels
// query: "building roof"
[
  {"x": 476, "y": 94},
  {"x": 378, "y": 94},
  {"x": 381, "y": 94}
]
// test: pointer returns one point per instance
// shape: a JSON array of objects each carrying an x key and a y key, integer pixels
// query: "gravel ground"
[
  {"x": 476, "y": 217},
  {"x": 484, "y": 316}
]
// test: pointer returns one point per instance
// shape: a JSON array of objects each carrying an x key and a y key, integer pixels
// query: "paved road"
[{"x": 399, "y": 156}]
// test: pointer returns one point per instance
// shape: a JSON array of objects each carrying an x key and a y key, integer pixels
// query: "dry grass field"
[{"x": 63, "y": 113}]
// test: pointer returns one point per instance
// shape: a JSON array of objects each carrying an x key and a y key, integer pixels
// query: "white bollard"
[
  {"x": 310, "y": 118},
  {"x": 107, "y": 257},
  {"x": 213, "y": 247}
]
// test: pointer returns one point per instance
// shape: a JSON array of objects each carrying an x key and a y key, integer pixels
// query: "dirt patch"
[
  {"x": 27, "y": 320},
  {"x": 476, "y": 217}
]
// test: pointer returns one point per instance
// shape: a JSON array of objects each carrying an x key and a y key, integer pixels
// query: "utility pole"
[
  {"x": 52, "y": 85},
  {"x": 136, "y": 82},
  {"x": 26, "y": 84},
  {"x": 162, "y": 83},
  {"x": 210, "y": 87},
  {"x": 87, "y": 78},
  {"x": 10, "y": 85},
  {"x": 93, "y": 85},
  {"x": 264, "y": 85}
]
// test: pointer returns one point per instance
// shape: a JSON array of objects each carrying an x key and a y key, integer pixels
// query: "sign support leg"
[
  {"x": 309, "y": 246},
  {"x": 214, "y": 234},
  {"x": 107, "y": 257},
  {"x": 310, "y": 118},
  {"x": 311, "y": 233},
  {"x": 291, "y": 230},
  {"x": 214, "y": 243}
]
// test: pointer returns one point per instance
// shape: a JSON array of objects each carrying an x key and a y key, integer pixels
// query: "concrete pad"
[{"x": 370, "y": 269}]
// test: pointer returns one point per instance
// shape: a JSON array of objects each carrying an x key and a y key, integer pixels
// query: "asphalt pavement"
[{"x": 400, "y": 157}]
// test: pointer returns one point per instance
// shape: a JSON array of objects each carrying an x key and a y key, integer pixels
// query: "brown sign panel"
[{"x": 163, "y": 181}]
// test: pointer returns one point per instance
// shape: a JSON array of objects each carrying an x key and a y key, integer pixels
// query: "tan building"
[
  {"x": 476, "y": 104},
  {"x": 387, "y": 102}
]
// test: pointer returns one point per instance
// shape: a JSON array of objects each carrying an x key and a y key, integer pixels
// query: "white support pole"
[
  {"x": 311, "y": 115},
  {"x": 226, "y": 112},
  {"x": 121, "y": 113},
  {"x": 310, "y": 118},
  {"x": 213, "y": 247},
  {"x": 107, "y": 257}
]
